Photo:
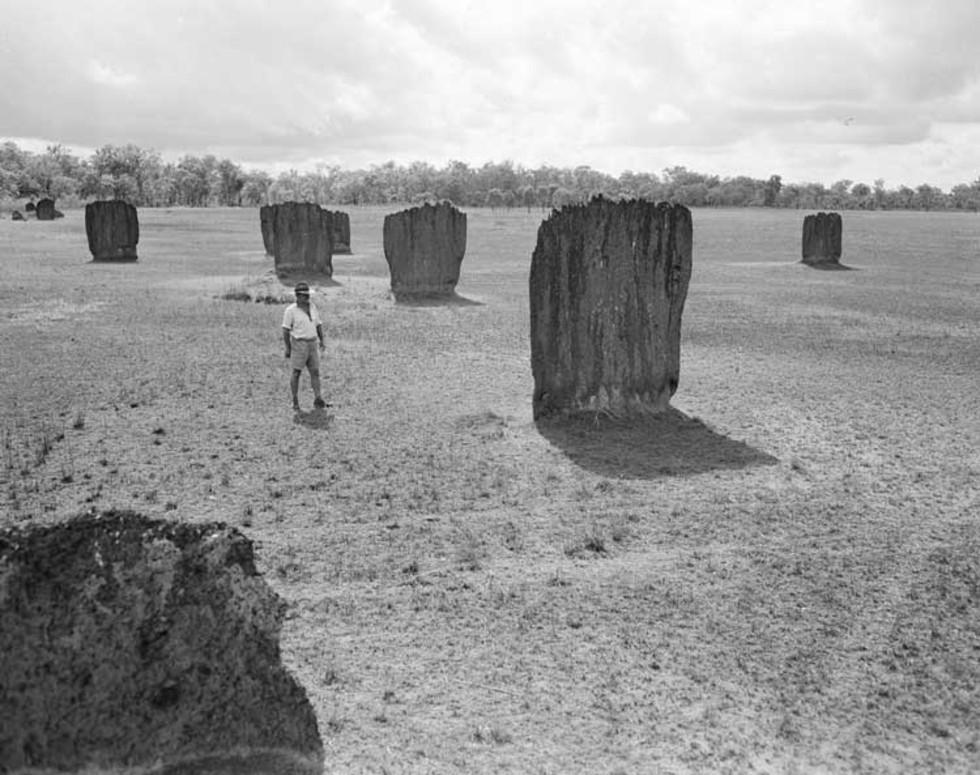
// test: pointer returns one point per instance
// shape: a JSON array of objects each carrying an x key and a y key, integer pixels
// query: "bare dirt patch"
[{"x": 52, "y": 311}]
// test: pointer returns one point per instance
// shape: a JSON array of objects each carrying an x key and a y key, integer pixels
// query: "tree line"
[{"x": 141, "y": 177}]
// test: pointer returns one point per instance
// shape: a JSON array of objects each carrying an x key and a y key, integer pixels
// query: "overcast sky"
[{"x": 813, "y": 91}]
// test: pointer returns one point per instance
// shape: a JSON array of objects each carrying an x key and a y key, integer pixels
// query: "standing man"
[{"x": 302, "y": 333}]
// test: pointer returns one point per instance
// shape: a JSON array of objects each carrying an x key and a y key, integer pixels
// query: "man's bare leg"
[
  {"x": 294, "y": 387},
  {"x": 318, "y": 401}
]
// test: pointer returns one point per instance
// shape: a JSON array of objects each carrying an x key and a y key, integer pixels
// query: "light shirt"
[{"x": 298, "y": 323}]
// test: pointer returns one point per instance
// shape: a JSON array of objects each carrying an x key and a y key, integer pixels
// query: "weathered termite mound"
[
  {"x": 44, "y": 210},
  {"x": 266, "y": 219},
  {"x": 822, "y": 239},
  {"x": 608, "y": 283},
  {"x": 341, "y": 232},
  {"x": 424, "y": 247},
  {"x": 126, "y": 641},
  {"x": 113, "y": 230},
  {"x": 302, "y": 240}
]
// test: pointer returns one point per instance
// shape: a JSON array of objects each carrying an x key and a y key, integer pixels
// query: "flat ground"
[{"x": 783, "y": 575}]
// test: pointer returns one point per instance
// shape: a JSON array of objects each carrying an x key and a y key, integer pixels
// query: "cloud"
[
  {"x": 107, "y": 75},
  {"x": 611, "y": 83}
]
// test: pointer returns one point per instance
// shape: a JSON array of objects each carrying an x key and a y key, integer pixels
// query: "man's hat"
[{"x": 301, "y": 288}]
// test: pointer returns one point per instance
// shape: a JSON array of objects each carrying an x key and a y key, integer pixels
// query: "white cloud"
[
  {"x": 107, "y": 75},
  {"x": 668, "y": 114},
  {"x": 803, "y": 89}
]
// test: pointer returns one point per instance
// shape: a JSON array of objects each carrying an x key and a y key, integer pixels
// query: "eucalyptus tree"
[
  {"x": 230, "y": 182},
  {"x": 255, "y": 190},
  {"x": 123, "y": 172},
  {"x": 966, "y": 196},
  {"x": 196, "y": 180}
]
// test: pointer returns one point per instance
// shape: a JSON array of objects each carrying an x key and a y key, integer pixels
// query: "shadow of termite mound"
[
  {"x": 289, "y": 278},
  {"x": 669, "y": 443},
  {"x": 451, "y": 299},
  {"x": 828, "y": 266},
  {"x": 142, "y": 645}
]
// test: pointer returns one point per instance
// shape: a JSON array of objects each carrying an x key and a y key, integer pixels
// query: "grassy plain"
[{"x": 782, "y": 576}]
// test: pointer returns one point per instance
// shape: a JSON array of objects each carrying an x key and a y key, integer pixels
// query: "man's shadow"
[
  {"x": 647, "y": 447},
  {"x": 315, "y": 419}
]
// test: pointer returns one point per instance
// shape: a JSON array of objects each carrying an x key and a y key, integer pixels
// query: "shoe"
[
  {"x": 296, "y": 408},
  {"x": 320, "y": 403}
]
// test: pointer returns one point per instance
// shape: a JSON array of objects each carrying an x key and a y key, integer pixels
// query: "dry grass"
[{"x": 785, "y": 577}]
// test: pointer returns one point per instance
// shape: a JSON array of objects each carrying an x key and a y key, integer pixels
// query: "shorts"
[{"x": 304, "y": 353}]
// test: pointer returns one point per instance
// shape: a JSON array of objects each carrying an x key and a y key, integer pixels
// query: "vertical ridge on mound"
[
  {"x": 267, "y": 216},
  {"x": 341, "y": 231}
]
